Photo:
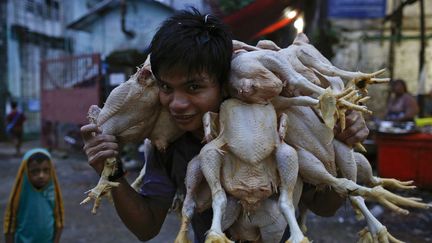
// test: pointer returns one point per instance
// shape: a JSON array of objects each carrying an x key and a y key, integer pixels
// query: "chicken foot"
[
  {"x": 318, "y": 175},
  {"x": 364, "y": 175},
  {"x": 375, "y": 231},
  {"x": 359, "y": 79},
  {"x": 192, "y": 202},
  {"x": 258, "y": 72},
  {"x": 287, "y": 165},
  {"x": 287, "y": 162},
  {"x": 346, "y": 160},
  {"x": 211, "y": 169},
  {"x": 212, "y": 157},
  {"x": 192, "y": 181},
  {"x": 104, "y": 185},
  {"x": 329, "y": 102},
  {"x": 137, "y": 183},
  {"x": 306, "y": 54}
]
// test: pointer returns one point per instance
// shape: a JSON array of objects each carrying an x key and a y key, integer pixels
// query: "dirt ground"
[{"x": 76, "y": 177}]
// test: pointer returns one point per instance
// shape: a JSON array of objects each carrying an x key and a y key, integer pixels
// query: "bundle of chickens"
[{"x": 273, "y": 134}]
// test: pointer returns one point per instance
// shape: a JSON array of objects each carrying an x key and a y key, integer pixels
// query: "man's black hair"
[
  {"x": 38, "y": 157},
  {"x": 192, "y": 42}
]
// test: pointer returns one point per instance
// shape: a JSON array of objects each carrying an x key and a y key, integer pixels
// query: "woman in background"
[{"x": 402, "y": 106}]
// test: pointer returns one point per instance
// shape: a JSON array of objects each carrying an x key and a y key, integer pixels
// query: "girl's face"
[
  {"x": 188, "y": 98},
  {"x": 39, "y": 173}
]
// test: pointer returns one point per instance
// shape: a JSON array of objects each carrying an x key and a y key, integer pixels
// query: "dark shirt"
[{"x": 166, "y": 173}]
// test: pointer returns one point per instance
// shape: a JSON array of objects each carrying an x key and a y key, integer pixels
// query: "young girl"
[{"x": 35, "y": 209}]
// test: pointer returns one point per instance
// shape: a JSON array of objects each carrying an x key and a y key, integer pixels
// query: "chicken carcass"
[
  {"x": 258, "y": 75},
  {"x": 132, "y": 112},
  {"x": 249, "y": 161},
  {"x": 306, "y": 132},
  {"x": 320, "y": 155},
  {"x": 248, "y": 149}
]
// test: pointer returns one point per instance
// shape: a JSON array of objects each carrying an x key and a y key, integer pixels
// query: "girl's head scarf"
[{"x": 10, "y": 218}]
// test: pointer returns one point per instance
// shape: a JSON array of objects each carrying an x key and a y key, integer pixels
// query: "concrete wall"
[
  {"x": 142, "y": 17},
  {"x": 364, "y": 46},
  {"x": 104, "y": 35},
  {"x": 26, "y": 50}
]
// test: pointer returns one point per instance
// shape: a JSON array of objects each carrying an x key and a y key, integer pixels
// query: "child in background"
[
  {"x": 15, "y": 121},
  {"x": 35, "y": 208}
]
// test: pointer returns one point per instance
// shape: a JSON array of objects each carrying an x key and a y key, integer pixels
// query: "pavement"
[{"x": 76, "y": 177}]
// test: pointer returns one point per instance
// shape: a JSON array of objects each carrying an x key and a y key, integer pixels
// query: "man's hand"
[
  {"x": 98, "y": 147},
  {"x": 355, "y": 131}
]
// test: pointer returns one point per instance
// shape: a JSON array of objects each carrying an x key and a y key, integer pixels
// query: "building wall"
[
  {"x": 143, "y": 18},
  {"x": 3, "y": 67},
  {"x": 34, "y": 33},
  {"x": 104, "y": 34},
  {"x": 364, "y": 46}
]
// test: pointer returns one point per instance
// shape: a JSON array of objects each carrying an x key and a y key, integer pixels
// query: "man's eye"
[
  {"x": 193, "y": 87},
  {"x": 163, "y": 87}
]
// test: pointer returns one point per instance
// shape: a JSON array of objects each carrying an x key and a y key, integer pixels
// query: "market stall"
[{"x": 406, "y": 156}]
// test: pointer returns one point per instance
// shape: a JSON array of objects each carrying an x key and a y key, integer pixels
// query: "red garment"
[{"x": 18, "y": 127}]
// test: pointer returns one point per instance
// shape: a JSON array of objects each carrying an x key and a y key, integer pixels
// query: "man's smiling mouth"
[{"x": 183, "y": 117}]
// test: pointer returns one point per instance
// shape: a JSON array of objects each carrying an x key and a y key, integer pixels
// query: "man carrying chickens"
[{"x": 190, "y": 59}]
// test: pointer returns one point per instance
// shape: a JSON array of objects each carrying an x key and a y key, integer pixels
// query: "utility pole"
[
  {"x": 421, "y": 96},
  {"x": 3, "y": 68}
]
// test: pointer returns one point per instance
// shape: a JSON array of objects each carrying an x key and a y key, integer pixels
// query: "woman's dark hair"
[
  {"x": 400, "y": 81},
  {"x": 38, "y": 157},
  {"x": 192, "y": 42}
]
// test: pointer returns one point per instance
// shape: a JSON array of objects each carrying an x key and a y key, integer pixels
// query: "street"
[{"x": 76, "y": 177}]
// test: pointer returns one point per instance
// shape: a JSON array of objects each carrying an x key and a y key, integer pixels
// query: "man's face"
[
  {"x": 188, "y": 98},
  {"x": 39, "y": 173}
]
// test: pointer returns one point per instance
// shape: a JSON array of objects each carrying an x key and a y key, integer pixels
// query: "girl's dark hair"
[
  {"x": 38, "y": 157},
  {"x": 192, "y": 42}
]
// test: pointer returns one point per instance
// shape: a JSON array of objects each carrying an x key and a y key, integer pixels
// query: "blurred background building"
[{"x": 58, "y": 57}]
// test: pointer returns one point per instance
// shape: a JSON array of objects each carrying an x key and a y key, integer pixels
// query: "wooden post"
[{"x": 421, "y": 96}]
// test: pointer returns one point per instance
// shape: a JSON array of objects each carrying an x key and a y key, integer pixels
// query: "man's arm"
[{"x": 143, "y": 216}]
